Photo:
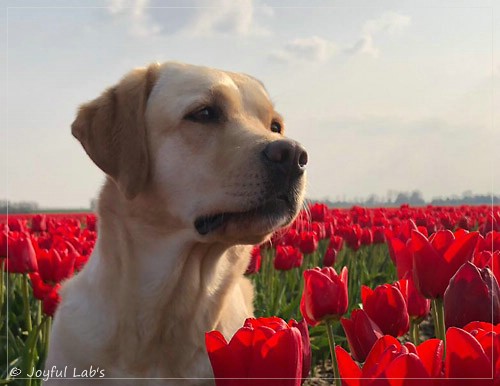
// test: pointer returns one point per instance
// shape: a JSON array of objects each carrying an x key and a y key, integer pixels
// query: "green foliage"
[
  {"x": 278, "y": 293},
  {"x": 24, "y": 331}
]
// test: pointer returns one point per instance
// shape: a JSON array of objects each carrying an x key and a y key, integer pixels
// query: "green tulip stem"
[
  {"x": 414, "y": 326},
  {"x": 440, "y": 317},
  {"x": 331, "y": 340},
  {"x": 26, "y": 302},
  {"x": 46, "y": 333},
  {"x": 435, "y": 317}
]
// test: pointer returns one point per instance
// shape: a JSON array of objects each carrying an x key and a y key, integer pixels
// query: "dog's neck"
[{"x": 166, "y": 286}]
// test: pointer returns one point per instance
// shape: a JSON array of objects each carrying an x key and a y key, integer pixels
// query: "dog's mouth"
[{"x": 277, "y": 211}]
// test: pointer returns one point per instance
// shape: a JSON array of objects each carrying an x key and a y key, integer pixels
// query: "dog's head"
[{"x": 206, "y": 144}]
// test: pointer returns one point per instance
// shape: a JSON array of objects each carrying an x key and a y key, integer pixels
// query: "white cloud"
[
  {"x": 389, "y": 22},
  {"x": 135, "y": 15},
  {"x": 311, "y": 49},
  {"x": 363, "y": 46},
  {"x": 228, "y": 17}
]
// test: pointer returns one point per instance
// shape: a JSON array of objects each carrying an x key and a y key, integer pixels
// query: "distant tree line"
[
  {"x": 414, "y": 198},
  {"x": 392, "y": 199},
  {"x": 18, "y": 207}
]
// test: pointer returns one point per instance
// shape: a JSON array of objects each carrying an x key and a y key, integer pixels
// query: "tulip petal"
[
  {"x": 465, "y": 358},
  {"x": 378, "y": 348},
  {"x": 406, "y": 369},
  {"x": 431, "y": 355},
  {"x": 349, "y": 370}
]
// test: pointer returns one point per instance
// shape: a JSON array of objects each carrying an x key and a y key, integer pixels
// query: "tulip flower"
[
  {"x": 255, "y": 261},
  {"x": 308, "y": 242},
  {"x": 38, "y": 223},
  {"x": 287, "y": 257},
  {"x": 319, "y": 212},
  {"x": 319, "y": 229},
  {"x": 53, "y": 268},
  {"x": 4, "y": 231},
  {"x": 16, "y": 225},
  {"x": 436, "y": 260},
  {"x": 330, "y": 257},
  {"x": 336, "y": 242},
  {"x": 401, "y": 255},
  {"x": 361, "y": 333},
  {"x": 386, "y": 306},
  {"x": 472, "y": 295},
  {"x": 260, "y": 349},
  {"x": 91, "y": 222},
  {"x": 325, "y": 295},
  {"x": 306, "y": 346},
  {"x": 466, "y": 358},
  {"x": 418, "y": 306},
  {"x": 366, "y": 237},
  {"x": 391, "y": 363},
  {"x": 21, "y": 257},
  {"x": 51, "y": 301},
  {"x": 352, "y": 236},
  {"x": 378, "y": 235},
  {"x": 278, "y": 324}
]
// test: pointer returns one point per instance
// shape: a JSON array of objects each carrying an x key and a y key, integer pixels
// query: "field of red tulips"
[{"x": 387, "y": 296}]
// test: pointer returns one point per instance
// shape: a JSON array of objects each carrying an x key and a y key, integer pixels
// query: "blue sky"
[{"x": 398, "y": 96}]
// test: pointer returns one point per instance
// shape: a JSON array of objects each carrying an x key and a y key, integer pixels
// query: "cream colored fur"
[{"x": 153, "y": 286}]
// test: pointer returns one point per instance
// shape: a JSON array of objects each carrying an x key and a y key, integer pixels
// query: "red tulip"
[
  {"x": 51, "y": 301},
  {"x": 444, "y": 254},
  {"x": 53, "y": 268},
  {"x": 401, "y": 255},
  {"x": 308, "y": 242},
  {"x": 16, "y": 225},
  {"x": 291, "y": 238},
  {"x": 336, "y": 242},
  {"x": 262, "y": 348},
  {"x": 488, "y": 337},
  {"x": 306, "y": 346},
  {"x": 361, "y": 333},
  {"x": 4, "y": 231},
  {"x": 386, "y": 306},
  {"x": 378, "y": 235},
  {"x": 352, "y": 236},
  {"x": 366, "y": 237},
  {"x": 472, "y": 295},
  {"x": 330, "y": 257},
  {"x": 287, "y": 257},
  {"x": 418, "y": 306},
  {"x": 466, "y": 358},
  {"x": 255, "y": 261},
  {"x": 38, "y": 223},
  {"x": 278, "y": 324},
  {"x": 325, "y": 295},
  {"x": 21, "y": 257},
  {"x": 91, "y": 222},
  {"x": 319, "y": 212},
  {"x": 390, "y": 363},
  {"x": 319, "y": 229},
  {"x": 40, "y": 288}
]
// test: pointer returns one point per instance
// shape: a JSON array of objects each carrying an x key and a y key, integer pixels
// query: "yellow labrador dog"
[{"x": 197, "y": 171}]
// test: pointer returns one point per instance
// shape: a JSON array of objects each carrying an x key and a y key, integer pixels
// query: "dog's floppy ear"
[{"x": 112, "y": 130}]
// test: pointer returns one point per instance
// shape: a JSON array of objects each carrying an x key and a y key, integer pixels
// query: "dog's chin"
[{"x": 250, "y": 226}]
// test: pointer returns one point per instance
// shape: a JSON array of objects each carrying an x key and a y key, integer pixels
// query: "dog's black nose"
[{"x": 286, "y": 155}]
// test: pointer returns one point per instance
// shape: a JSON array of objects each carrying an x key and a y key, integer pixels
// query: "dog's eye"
[
  {"x": 276, "y": 127},
  {"x": 203, "y": 115}
]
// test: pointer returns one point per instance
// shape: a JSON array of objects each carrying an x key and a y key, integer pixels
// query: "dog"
[{"x": 197, "y": 170}]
